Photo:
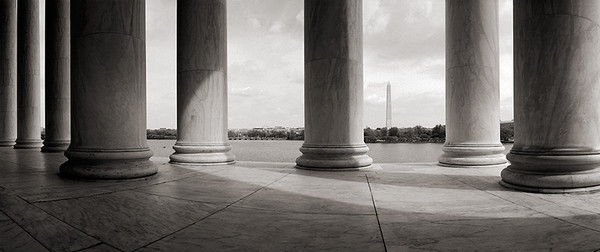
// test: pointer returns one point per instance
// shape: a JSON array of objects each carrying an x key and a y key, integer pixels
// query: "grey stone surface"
[
  {"x": 202, "y": 84},
  {"x": 472, "y": 85},
  {"x": 58, "y": 76},
  {"x": 28, "y": 75},
  {"x": 8, "y": 72},
  {"x": 254, "y": 206},
  {"x": 333, "y": 92},
  {"x": 108, "y": 86},
  {"x": 557, "y": 68}
]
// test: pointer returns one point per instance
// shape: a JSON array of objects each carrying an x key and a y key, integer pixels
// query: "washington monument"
[{"x": 388, "y": 108}]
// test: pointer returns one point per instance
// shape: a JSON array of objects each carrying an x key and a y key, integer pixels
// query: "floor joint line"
[
  {"x": 376, "y": 214},
  {"x": 58, "y": 219},
  {"x": 213, "y": 213},
  {"x": 25, "y": 230}
]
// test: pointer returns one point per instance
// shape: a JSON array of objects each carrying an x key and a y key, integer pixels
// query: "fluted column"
[
  {"x": 202, "y": 83},
  {"x": 8, "y": 72},
  {"x": 557, "y": 97},
  {"x": 333, "y": 86},
  {"x": 58, "y": 76},
  {"x": 108, "y": 86},
  {"x": 28, "y": 75},
  {"x": 472, "y": 85}
]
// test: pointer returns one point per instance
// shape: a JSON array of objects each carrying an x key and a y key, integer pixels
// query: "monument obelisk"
[{"x": 388, "y": 108}]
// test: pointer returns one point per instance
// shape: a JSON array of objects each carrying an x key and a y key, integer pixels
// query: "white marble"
[
  {"x": 108, "y": 83},
  {"x": 252, "y": 206},
  {"x": 28, "y": 75},
  {"x": 557, "y": 97},
  {"x": 333, "y": 92},
  {"x": 202, "y": 84},
  {"x": 58, "y": 76},
  {"x": 472, "y": 85},
  {"x": 8, "y": 72}
]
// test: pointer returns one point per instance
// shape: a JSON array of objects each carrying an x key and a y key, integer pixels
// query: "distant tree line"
[
  {"x": 267, "y": 134},
  {"x": 416, "y": 134},
  {"x": 161, "y": 133}
]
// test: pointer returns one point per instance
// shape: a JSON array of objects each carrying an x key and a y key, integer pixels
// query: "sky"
[{"x": 403, "y": 44}]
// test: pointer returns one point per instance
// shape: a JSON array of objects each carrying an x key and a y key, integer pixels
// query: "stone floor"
[{"x": 273, "y": 207}]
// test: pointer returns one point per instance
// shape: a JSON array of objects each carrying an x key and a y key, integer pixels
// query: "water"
[{"x": 287, "y": 151}]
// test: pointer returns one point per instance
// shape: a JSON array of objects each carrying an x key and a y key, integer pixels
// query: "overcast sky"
[{"x": 403, "y": 44}]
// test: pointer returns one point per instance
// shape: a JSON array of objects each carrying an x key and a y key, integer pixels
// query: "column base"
[
  {"x": 28, "y": 144},
  {"x": 108, "y": 164},
  {"x": 336, "y": 158},
  {"x": 472, "y": 155},
  {"x": 7, "y": 143},
  {"x": 205, "y": 154},
  {"x": 552, "y": 172},
  {"x": 55, "y": 145}
]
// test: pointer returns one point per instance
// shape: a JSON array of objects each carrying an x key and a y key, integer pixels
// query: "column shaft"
[
  {"x": 8, "y": 72},
  {"x": 333, "y": 86},
  {"x": 28, "y": 75},
  {"x": 58, "y": 76},
  {"x": 108, "y": 83},
  {"x": 472, "y": 85},
  {"x": 557, "y": 97},
  {"x": 202, "y": 83}
]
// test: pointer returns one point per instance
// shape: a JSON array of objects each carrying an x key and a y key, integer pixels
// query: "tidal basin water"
[{"x": 287, "y": 151}]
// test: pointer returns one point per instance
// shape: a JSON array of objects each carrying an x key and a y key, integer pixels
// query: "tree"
[
  {"x": 369, "y": 135},
  {"x": 394, "y": 131},
  {"x": 439, "y": 131},
  {"x": 506, "y": 134}
]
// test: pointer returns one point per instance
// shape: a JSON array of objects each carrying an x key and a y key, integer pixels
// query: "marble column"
[
  {"x": 28, "y": 75},
  {"x": 8, "y": 72},
  {"x": 557, "y": 97},
  {"x": 108, "y": 86},
  {"x": 333, "y": 86},
  {"x": 58, "y": 76},
  {"x": 202, "y": 83},
  {"x": 472, "y": 85}
]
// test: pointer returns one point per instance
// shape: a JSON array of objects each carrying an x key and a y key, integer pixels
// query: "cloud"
[
  {"x": 254, "y": 23},
  {"x": 374, "y": 99},
  {"x": 276, "y": 27}
]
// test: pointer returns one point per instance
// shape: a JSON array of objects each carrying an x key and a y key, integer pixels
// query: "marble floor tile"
[
  {"x": 100, "y": 248},
  {"x": 14, "y": 238},
  {"x": 237, "y": 229},
  {"x": 48, "y": 230},
  {"x": 314, "y": 194},
  {"x": 3, "y": 216},
  {"x": 53, "y": 187},
  {"x": 206, "y": 188},
  {"x": 428, "y": 233},
  {"x": 466, "y": 202},
  {"x": 258, "y": 206},
  {"x": 250, "y": 175},
  {"x": 128, "y": 220}
]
